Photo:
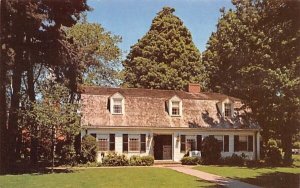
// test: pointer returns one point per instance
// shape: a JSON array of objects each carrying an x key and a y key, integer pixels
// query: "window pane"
[
  {"x": 134, "y": 144},
  {"x": 227, "y": 110},
  {"x": 118, "y": 109},
  {"x": 103, "y": 144},
  {"x": 190, "y": 144},
  {"x": 243, "y": 143},
  {"x": 117, "y": 101},
  {"x": 175, "y": 111}
]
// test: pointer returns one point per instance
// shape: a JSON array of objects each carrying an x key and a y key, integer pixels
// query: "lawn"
[
  {"x": 265, "y": 177},
  {"x": 104, "y": 177}
]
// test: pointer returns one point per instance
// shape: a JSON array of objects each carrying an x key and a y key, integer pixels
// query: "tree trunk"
[
  {"x": 3, "y": 107},
  {"x": 53, "y": 147},
  {"x": 13, "y": 115},
  {"x": 34, "y": 130},
  {"x": 287, "y": 145}
]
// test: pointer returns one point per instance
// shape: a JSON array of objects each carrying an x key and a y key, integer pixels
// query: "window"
[
  {"x": 220, "y": 142},
  {"x": 134, "y": 143},
  {"x": 117, "y": 106},
  {"x": 227, "y": 110},
  {"x": 190, "y": 143},
  {"x": 103, "y": 142},
  {"x": 243, "y": 143},
  {"x": 175, "y": 108}
]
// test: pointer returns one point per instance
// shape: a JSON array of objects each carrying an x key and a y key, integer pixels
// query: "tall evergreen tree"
[
  {"x": 254, "y": 55},
  {"x": 165, "y": 57}
]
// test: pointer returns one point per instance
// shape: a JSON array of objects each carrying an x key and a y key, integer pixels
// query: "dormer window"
[
  {"x": 227, "y": 109},
  {"x": 175, "y": 106},
  {"x": 117, "y": 104}
]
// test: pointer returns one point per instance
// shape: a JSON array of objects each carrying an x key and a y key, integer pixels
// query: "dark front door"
[{"x": 163, "y": 147}]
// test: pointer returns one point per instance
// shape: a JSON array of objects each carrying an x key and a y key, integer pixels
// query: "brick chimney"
[{"x": 194, "y": 88}]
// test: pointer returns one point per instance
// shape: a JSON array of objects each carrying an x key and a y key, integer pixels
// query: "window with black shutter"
[
  {"x": 143, "y": 143},
  {"x": 125, "y": 142},
  {"x": 226, "y": 143},
  {"x": 111, "y": 142},
  {"x": 199, "y": 142},
  {"x": 236, "y": 143},
  {"x": 250, "y": 143},
  {"x": 182, "y": 143}
]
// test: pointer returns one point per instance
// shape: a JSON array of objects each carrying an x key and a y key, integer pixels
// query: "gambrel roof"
[{"x": 148, "y": 108}]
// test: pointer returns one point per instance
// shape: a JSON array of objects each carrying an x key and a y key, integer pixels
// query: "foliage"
[
  {"x": 32, "y": 36},
  {"x": 296, "y": 145},
  {"x": 190, "y": 160},
  {"x": 211, "y": 152},
  {"x": 98, "y": 52},
  {"x": 236, "y": 160},
  {"x": 255, "y": 48},
  {"x": 273, "y": 154},
  {"x": 141, "y": 160},
  {"x": 164, "y": 58},
  {"x": 89, "y": 149},
  {"x": 113, "y": 159}
]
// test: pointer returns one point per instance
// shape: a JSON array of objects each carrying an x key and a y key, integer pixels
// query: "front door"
[{"x": 163, "y": 147}]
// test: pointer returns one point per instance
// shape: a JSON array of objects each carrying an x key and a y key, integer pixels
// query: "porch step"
[{"x": 166, "y": 162}]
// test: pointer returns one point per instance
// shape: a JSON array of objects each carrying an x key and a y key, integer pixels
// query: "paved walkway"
[{"x": 211, "y": 177}]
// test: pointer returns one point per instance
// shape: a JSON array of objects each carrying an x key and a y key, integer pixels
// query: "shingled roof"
[{"x": 147, "y": 108}]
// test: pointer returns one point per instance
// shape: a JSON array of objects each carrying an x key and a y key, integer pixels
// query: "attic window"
[
  {"x": 227, "y": 110},
  {"x": 117, "y": 104},
  {"x": 175, "y": 106}
]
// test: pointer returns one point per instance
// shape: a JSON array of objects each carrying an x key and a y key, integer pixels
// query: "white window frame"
[
  {"x": 170, "y": 105},
  {"x": 117, "y": 96},
  {"x": 227, "y": 102},
  {"x": 134, "y": 136},
  {"x": 103, "y": 136}
]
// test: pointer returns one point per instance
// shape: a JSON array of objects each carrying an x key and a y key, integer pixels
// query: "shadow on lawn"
[
  {"x": 274, "y": 179},
  {"x": 210, "y": 186},
  {"x": 38, "y": 171}
]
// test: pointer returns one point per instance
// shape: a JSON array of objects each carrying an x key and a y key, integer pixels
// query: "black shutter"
[
  {"x": 93, "y": 135},
  {"x": 226, "y": 143},
  {"x": 236, "y": 143},
  {"x": 111, "y": 142},
  {"x": 182, "y": 143},
  {"x": 199, "y": 142},
  {"x": 250, "y": 143},
  {"x": 125, "y": 142},
  {"x": 143, "y": 143}
]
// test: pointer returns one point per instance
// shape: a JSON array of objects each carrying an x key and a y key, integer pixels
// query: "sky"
[{"x": 131, "y": 19}]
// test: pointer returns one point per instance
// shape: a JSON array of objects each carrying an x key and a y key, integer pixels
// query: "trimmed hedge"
[
  {"x": 113, "y": 159},
  {"x": 141, "y": 161},
  {"x": 234, "y": 160},
  {"x": 190, "y": 160}
]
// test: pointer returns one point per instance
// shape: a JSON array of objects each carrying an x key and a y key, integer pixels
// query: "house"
[{"x": 166, "y": 123}]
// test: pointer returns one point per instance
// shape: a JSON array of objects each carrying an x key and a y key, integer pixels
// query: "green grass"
[
  {"x": 104, "y": 177},
  {"x": 264, "y": 176}
]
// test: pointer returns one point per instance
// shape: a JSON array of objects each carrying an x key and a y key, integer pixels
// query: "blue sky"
[{"x": 131, "y": 19}]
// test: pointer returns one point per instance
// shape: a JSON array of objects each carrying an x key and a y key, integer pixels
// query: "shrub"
[
  {"x": 113, "y": 159},
  {"x": 236, "y": 160},
  {"x": 88, "y": 149},
  {"x": 190, "y": 160},
  {"x": 211, "y": 152},
  {"x": 296, "y": 145},
  {"x": 141, "y": 161},
  {"x": 273, "y": 154}
]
